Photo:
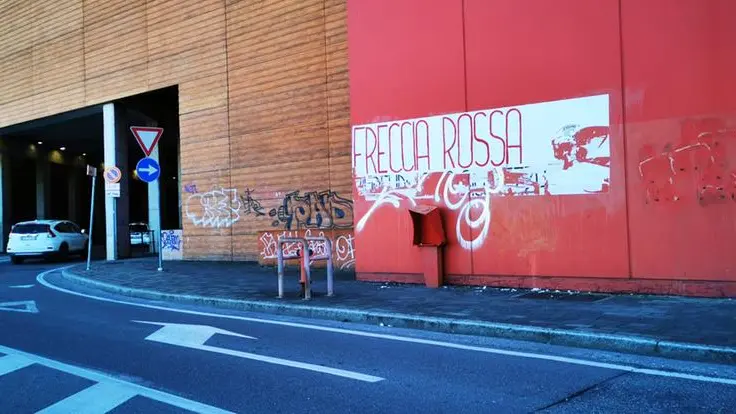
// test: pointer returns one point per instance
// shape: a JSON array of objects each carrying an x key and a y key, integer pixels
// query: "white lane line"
[
  {"x": 10, "y": 363},
  {"x": 618, "y": 367},
  {"x": 99, "y": 398},
  {"x": 293, "y": 364},
  {"x": 160, "y": 396},
  {"x": 21, "y": 286}
]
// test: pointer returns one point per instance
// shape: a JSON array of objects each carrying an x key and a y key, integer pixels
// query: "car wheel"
[
  {"x": 16, "y": 260},
  {"x": 84, "y": 251}
]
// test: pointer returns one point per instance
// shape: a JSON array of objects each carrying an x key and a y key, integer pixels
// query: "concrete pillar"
[
  {"x": 116, "y": 209},
  {"x": 43, "y": 187},
  {"x": 154, "y": 205}
]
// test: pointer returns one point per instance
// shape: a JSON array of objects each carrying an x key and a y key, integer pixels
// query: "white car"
[
  {"x": 46, "y": 238},
  {"x": 140, "y": 235}
]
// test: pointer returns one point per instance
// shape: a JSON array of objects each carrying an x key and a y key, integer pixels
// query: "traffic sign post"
[
  {"x": 148, "y": 169},
  {"x": 92, "y": 172},
  {"x": 147, "y": 138},
  {"x": 112, "y": 175}
]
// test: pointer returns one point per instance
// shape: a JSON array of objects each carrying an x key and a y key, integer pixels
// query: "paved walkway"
[{"x": 688, "y": 320}]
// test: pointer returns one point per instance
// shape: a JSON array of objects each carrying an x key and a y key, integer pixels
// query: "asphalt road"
[{"x": 65, "y": 353}]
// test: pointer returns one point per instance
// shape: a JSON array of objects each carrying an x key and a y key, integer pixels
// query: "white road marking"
[
  {"x": 113, "y": 383},
  {"x": 194, "y": 337},
  {"x": 10, "y": 363},
  {"x": 21, "y": 286},
  {"x": 99, "y": 398},
  {"x": 618, "y": 367},
  {"x": 28, "y": 306}
]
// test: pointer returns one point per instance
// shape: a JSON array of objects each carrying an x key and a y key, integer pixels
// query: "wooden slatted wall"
[{"x": 263, "y": 100}]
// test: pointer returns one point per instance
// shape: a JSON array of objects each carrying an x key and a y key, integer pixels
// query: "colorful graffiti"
[
  {"x": 220, "y": 207},
  {"x": 313, "y": 210},
  {"x": 343, "y": 247},
  {"x": 461, "y": 160},
  {"x": 171, "y": 244}
]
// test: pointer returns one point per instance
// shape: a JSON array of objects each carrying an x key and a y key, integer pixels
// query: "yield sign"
[{"x": 147, "y": 137}]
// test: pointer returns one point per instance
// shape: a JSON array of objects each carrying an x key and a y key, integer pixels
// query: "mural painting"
[{"x": 461, "y": 161}]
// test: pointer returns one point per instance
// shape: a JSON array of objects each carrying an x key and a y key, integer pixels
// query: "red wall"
[{"x": 669, "y": 70}]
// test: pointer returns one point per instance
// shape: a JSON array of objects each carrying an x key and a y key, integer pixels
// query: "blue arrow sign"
[{"x": 148, "y": 170}]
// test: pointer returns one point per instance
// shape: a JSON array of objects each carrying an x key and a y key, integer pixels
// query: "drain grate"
[{"x": 568, "y": 297}]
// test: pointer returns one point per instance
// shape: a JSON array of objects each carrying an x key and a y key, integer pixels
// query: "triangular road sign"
[
  {"x": 147, "y": 137},
  {"x": 25, "y": 306}
]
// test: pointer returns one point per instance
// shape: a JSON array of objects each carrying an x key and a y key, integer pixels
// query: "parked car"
[
  {"x": 46, "y": 239},
  {"x": 140, "y": 234}
]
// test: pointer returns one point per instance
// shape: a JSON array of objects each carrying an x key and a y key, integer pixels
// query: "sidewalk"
[{"x": 684, "y": 328}]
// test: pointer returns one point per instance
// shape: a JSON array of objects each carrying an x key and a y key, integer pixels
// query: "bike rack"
[
  {"x": 306, "y": 259},
  {"x": 280, "y": 258},
  {"x": 328, "y": 257}
]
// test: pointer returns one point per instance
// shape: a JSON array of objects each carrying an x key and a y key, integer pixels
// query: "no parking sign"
[{"x": 112, "y": 177}]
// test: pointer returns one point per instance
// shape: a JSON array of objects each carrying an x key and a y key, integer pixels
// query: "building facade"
[{"x": 569, "y": 144}]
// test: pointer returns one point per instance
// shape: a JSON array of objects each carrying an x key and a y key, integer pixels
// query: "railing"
[
  {"x": 327, "y": 256},
  {"x": 280, "y": 257},
  {"x": 306, "y": 262}
]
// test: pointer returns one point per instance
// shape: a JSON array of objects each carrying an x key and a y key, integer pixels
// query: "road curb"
[{"x": 609, "y": 342}]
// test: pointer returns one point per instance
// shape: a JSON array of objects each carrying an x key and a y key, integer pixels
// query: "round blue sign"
[{"x": 148, "y": 170}]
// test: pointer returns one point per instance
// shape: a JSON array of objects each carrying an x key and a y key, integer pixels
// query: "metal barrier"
[
  {"x": 306, "y": 261},
  {"x": 327, "y": 256},
  {"x": 280, "y": 257}
]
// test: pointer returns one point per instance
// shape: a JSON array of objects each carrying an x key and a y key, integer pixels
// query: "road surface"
[{"x": 83, "y": 351}]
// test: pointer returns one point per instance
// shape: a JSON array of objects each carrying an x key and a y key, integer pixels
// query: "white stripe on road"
[
  {"x": 627, "y": 368},
  {"x": 99, "y": 398},
  {"x": 294, "y": 364},
  {"x": 94, "y": 376},
  {"x": 10, "y": 363}
]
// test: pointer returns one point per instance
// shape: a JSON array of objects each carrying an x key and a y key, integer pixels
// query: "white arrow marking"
[
  {"x": 24, "y": 306},
  {"x": 21, "y": 286},
  {"x": 150, "y": 169},
  {"x": 104, "y": 394},
  {"x": 194, "y": 337}
]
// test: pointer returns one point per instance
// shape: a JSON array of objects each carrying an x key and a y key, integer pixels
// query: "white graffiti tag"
[
  {"x": 215, "y": 209},
  {"x": 345, "y": 251},
  {"x": 393, "y": 196},
  {"x": 465, "y": 198},
  {"x": 472, "y": 201}
]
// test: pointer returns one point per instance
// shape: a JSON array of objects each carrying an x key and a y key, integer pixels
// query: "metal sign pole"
[
  {"x": 160, "y": 246},
  {"x": 149, "y": 170},
  {"x": 91, "y": 221}
]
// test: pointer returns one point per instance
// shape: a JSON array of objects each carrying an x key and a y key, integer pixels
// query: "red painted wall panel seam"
[
  {"x": 623, "y": 139},
  {"x": 465, "y": 94}
]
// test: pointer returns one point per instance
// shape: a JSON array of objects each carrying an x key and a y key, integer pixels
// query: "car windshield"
[
  {"x": 30, "y": 229},
  {"x": 138, "y": 228}
]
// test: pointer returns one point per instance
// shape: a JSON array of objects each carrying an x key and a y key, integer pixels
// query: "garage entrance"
[{"x": 43, "y": 172}]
